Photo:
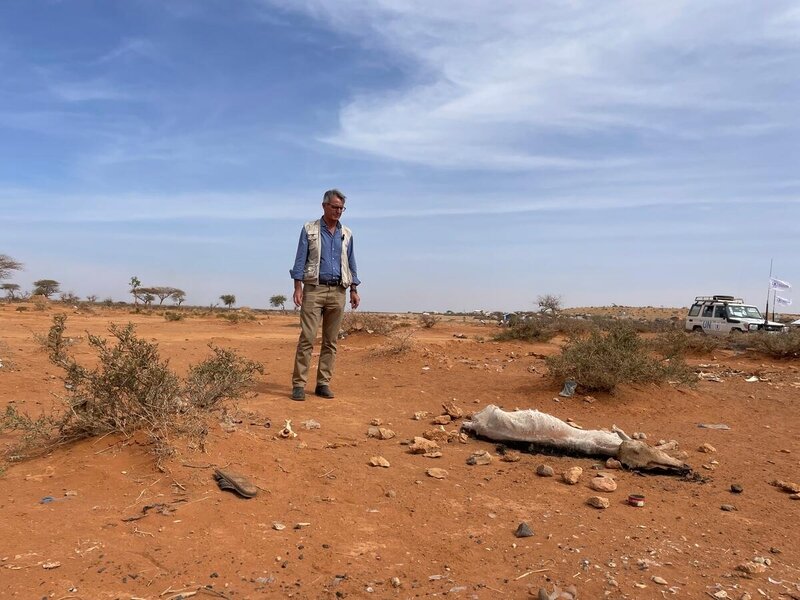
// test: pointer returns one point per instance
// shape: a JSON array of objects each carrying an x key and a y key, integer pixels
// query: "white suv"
[{"x": 726, "y": 314}]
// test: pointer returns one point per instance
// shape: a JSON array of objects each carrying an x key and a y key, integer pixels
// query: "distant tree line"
[{"x": 146, "y": 295}]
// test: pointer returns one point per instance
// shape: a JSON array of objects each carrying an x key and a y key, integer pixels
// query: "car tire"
[{"x": 698, "y": 329}]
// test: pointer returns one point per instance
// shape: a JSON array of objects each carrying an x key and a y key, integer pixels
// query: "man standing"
[{"x": 325, "y": 266}]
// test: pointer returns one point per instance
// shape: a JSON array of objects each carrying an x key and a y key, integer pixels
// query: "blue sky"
[{"x": 636, "y": 153}]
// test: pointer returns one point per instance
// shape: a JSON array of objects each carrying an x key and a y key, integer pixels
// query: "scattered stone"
[
  {"x": 639, "y": 435},
  {"x": 463, "y": 438},
  {"x": 278, "y": 526},
  {"x": 721, "y": 426},
  {"x": 481, "y": 457},
  {"x": 437, "y": 434},
  {"x": 381, "y": 433},
  {"x": 420, "y": 414},
  {"x": 721, "y": 594},
  {"x": 396, "y": 582},
  {"x": 598, "y": 502},
  {"x": 379, "y": 461},
  {"x": 523, "y": 530},
  {"x": 511, "y": 456},
  {"x": 544, "y": 471},
  {"x": 658, "y": 580},
  {"x": 794, "y": 497},
  {"x": 436, "y": 473},
  {"x": 390, "y": 494},
  {"x": 736, "y": 488},
  {"x": 423, "y": 446},
  {"x": 460, "y": 336},
  {"x": 70, "y": 493},
  {"x": 707, "y": 448},
  {"x": 613, "y": 463},
  {"x": 452, "y": 410},
  {"x": 569, "y": 593},
  {"x": 603, "y": 483},
  {"x": 310, "y": 424},
  {"x": 376, "y": 422},
  {"x": 728, "y": 507},
  {"x": 786, "y": 486},
  {"x": 301, "y": 525},
  {"x": 572, "y": 475},
  {"x": 51, "y": 565},
  {"x": 751, "y": 568},
  {"x": 434, "y": 454},
  {"x": 442, "y": 420}
]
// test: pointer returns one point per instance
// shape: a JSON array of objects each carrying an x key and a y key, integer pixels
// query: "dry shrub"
[
  {"x": 40, "y": 303},
  {"x": 678, "y": 343},
  {"x": 777, "y": 345},
  {"x": 398, "y": 343},
  {"x": 535, "y": 329},
  {"x": 173, "y": 316},
  {"x": 355, "y": 322},
  {"x": 428, "y": 320},
  {"x": 236, "y": 317},
  {"x": 572, "y": 327},
  {"x": 604, "y": 360},
  {"x": 131, "y": 389}
]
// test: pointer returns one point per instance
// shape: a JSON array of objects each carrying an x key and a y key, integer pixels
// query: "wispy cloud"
[{"x": 518, "y": 85}]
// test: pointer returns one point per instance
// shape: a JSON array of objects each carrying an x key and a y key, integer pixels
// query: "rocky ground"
[{"x": 346, "y": 510}]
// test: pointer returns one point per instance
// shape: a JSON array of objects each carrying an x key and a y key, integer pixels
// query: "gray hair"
[{"x": 331, "y": 194}]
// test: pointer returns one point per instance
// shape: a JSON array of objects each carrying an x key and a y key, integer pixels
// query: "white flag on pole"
[
  {"x": 782, "y": 300},
  {"x": 777, "y": 284}
]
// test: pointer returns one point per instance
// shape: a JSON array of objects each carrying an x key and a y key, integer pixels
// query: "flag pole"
[
  {"x": 769, "y": 287},
  {"x": 774, "y": 293}
]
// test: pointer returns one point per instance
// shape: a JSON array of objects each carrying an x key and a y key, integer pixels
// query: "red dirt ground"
[{"x": 367, "y": 525}]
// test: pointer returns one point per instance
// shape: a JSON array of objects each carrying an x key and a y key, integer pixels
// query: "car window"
[
  {"x": 708, "y": 311},
  {"x": 719, "y": 312},
  {"x": 695, "y": 310}
]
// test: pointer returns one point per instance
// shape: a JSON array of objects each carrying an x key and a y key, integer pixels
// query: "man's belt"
[{"x": 330, "y": 282}]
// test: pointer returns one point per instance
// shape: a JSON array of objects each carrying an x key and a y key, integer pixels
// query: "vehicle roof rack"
[{"x": 718, "y": 298}]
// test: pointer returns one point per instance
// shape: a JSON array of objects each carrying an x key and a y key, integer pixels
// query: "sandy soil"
[{"x": 367, "y": 525}]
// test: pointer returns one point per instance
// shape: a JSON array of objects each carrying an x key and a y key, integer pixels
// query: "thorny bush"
[
  {"x": 602, "y": 361},
  {"x": 132, "y": 389},
  {"x": 354, "y": 322},
  {"x": 535, "y": 329},
  {"x": 777, "y": 345}
]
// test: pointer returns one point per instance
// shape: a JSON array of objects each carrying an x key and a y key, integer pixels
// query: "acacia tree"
[
  {"x": 91, "y": 298},
  {"x": 46, "y": 287},
  {"x": 178, "y": 297},
  {"x": 135, "y": 285},
  {"x": 228, "y": 300},
  {"x": 278, "y": 300},
  {"x": 8, "y": 264},
  {"x": 549, "y": 304},
  {"x": 161, "y": 291},
  {"x": 148, "y": 298},
  {"x": 11, "y": 290}
]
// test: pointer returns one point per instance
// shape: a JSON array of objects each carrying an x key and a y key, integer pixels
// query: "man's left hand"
[{"x": 355, "y": 300}]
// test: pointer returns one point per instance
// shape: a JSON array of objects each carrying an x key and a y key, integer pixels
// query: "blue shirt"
[{"x": 330, "y": 252}]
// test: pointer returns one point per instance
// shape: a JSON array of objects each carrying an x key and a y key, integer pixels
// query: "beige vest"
[{"x": 311, "y": 270}]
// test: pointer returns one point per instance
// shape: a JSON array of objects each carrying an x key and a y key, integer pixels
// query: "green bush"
[
  {"x": 777, "y": 345},
  {"x": 536, "y": 329},
  {"x": 602, "y": 361}
]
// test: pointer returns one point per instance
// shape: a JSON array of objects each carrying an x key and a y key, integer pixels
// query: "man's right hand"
[{"x": 298, "y": 296}]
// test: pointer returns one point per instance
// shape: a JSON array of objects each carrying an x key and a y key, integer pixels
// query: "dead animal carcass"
[{"x": 549, "y": 432}]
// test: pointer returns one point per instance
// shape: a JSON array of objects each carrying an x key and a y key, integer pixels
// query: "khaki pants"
[{"x": 324, "y": 302}]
